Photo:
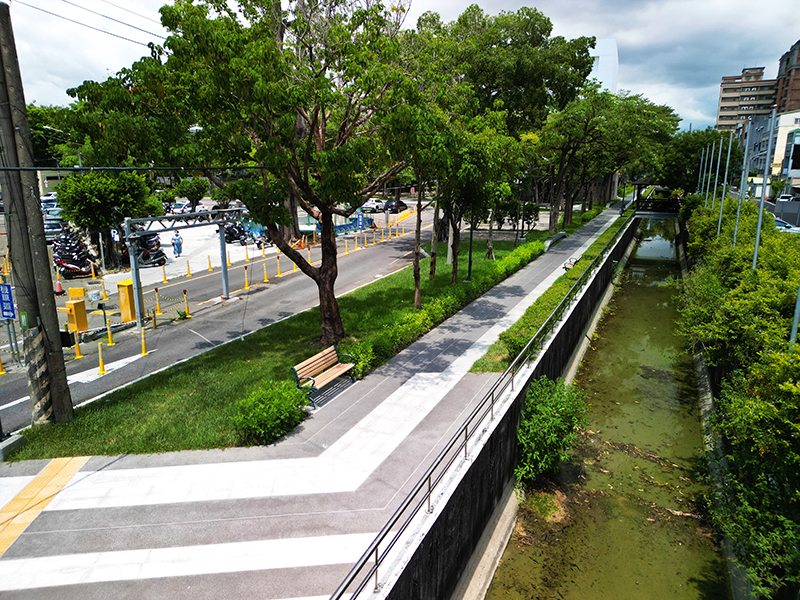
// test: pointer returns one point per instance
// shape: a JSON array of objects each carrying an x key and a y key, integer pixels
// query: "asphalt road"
[{"x": 213, "y": 322}]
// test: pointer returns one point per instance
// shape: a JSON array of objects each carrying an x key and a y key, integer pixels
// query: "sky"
[{"x": 672, "y": 52}]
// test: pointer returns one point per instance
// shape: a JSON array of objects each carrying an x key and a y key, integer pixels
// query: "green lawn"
[{"x": 190, "y": 406}]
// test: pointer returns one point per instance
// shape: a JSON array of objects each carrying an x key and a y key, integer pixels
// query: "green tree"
[
  {"x": 100, "y": 201},
  {"x": 194, "y": 190},
  {"x": 680, "y": 162},
  {"x": 301, "y": 95}
]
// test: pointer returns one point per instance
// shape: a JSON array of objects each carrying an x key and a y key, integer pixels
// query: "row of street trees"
[{"x": 327, "y": 101}]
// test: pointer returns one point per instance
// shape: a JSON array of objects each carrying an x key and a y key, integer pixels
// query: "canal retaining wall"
[{"x": 441, "y": 557}]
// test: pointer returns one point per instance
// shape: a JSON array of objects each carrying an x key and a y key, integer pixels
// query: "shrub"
[
  {"x": 546, "y": 431},
  {"x": 270, "y": 412},
  {"x": 363, "y": 356}
]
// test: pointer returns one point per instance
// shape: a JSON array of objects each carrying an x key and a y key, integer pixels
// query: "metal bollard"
[
  {"x": 108, "y": 330},
  {"x": 102, "y": 369},
  {"x": 186, "y": 304}
]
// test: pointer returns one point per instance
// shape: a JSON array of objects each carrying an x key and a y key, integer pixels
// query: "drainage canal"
[{"x": 625, "y": 518}]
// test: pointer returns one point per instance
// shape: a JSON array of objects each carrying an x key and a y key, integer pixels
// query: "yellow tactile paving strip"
[{"x": 26, "y": 506}]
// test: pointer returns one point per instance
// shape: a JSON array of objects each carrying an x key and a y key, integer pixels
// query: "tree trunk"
[
  {"x": 417, "y": 235},
  {"x": 434, "y": 239},
  {"x": 489, "y": 247},
  {"x": 332, "y": 328},
  {"x": 454, "y": 246}
]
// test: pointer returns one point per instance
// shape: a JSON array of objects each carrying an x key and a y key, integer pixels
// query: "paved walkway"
[{"x": 282, "y": 521}]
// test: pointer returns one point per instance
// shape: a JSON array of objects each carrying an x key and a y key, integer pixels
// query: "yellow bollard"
[
  {"x": 373, "y": 238},
  {"x": 158, "y": 303},
  {"x": 209, "y": 264},
  {"x": 77, "y": 349},
  {"x": 294, "y": 267},
  {"x": 164, "y": 273},
  {"x": 315, "y": 236},
  {"x": 229, "y": 258},
  {"x": 266, "y": 280},
  {"x": 356, "y": 242},
  {"x": 94, "y": 275},
  {"x": 246, "y": 255},
  {"x": 246, "y": 279},
  {"x": 144, "y": 344},
  {"x": 105, "y": 294},
  {"x": 345, "y": 246},
  {"x": 155, "y": 325},
  {"x": 102, "y": 369},
  {"x": 186, "y": 304},
  {"x": 278, "y": 259},
  {"x": 108, "y": 330},
  {"x": 188, "y": 270},
  {"x": 2, "y": 371},
  {"x": 308, "y": 248},
  {"x": 263, "y": 251}
]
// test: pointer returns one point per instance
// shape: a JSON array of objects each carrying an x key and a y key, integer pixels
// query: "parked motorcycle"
[{"x": 71, "y": 258}]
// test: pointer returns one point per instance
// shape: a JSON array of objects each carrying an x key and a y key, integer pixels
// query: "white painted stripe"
[
  {"x": 10, "y": 487},
  {"x": 15, "y": 402},
  {"x": 132, "y": 565},
  {"x": 90, "y": 375}
]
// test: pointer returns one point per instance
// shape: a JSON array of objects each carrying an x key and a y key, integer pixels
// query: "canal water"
[{"x": 625, "y": 517}]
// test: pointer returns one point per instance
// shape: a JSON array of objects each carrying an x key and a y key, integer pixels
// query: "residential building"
[
  {"x": 789, "y": 80},
  {"x": 743, "y": 96},
  {"x": 606, "y": 64}
]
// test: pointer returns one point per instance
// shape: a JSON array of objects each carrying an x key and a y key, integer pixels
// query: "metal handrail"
[{"x": 460, "y": 440}]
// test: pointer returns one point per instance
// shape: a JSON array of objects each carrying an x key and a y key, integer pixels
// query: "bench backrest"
[{"x": 317, "y": 363}]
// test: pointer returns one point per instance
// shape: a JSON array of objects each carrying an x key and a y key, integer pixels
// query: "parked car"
[
  {"x": 49, "y": 197},
  {"x": 180, "y": 207},
  {"x": 785, "y": 198},
  {"x": 395, "y": 206},
  {"x": 784, "y": 226},
  {"x": 54, "y": 213},
  {"x": 372, "y": 205},
  {"x": 49, "y": 205},
  {"x": 53, "y": 229}
]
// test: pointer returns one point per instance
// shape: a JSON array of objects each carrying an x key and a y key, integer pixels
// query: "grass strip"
[{"x": 500, "y": 354}]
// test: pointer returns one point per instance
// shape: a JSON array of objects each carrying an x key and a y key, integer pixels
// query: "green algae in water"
[{"x": 633, "y": 525}]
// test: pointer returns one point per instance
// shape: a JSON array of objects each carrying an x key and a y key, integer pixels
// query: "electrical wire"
[
  {"x": 131, "y": 12},
  {"x": 114, "y": 20},
  {"x": 82, "y": 24}
]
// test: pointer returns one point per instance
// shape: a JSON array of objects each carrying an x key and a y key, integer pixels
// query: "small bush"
[
  {"x": 269, "y": 413},
  {"x": 546, "y": 431},
  {"x": 363, "y": 355}
]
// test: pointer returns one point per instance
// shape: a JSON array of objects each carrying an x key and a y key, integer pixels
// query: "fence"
[{"x": 436, "y": 564}]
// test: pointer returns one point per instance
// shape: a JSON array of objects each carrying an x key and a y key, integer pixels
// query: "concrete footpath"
[{"x": 281, "y": 521}]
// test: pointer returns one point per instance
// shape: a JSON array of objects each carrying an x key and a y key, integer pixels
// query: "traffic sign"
[{"x": 6, "y": 302}]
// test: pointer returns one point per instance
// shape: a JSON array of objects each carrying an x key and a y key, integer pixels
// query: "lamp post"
[{"x": 767, "y": 169}]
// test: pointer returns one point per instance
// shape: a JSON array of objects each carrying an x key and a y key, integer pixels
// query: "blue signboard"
[
  {"x": 6, "y": 302},
  {"x": 360, "y": 221}
]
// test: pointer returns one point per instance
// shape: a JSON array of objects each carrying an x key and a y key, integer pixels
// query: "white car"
[
  {"x": 784, "y": 226},
  {"x": 372, "y": 205}
]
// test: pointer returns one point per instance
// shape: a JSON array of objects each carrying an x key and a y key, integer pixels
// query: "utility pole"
[{"x": 50, "y": 396}]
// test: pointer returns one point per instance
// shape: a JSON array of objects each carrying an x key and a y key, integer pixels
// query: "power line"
[
  {"x": 113, "y": 19},
  {"x": 82, "y": 24},
  {"x": 130, "y": 11}
]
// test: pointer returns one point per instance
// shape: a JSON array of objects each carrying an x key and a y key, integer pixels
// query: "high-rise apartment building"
[
  {"x": 789, "y": 80},
  {"x": 745, "y": 95}
]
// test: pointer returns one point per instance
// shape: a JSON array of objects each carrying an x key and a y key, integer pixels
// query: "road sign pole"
[{"x": 224, "y": 262}]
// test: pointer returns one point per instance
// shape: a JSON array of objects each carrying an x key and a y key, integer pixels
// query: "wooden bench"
[
  {"x": 318, "y": 371},
  {"x": 572, "y": 262}
]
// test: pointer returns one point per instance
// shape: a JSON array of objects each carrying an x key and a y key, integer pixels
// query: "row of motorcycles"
[
  {"x": 236, "y": 233},
  {"x": 72, "y": 258}
]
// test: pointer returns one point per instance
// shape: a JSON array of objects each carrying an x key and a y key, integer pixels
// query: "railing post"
[
  {"x": 376, "y": 569},
  {"x": 466, "y": 439},
  {"x": 492, "y": 404},
  {"x": 430, "y": 510}
]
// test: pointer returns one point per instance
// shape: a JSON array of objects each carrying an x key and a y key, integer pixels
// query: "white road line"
[
  {"x": 132, "y": 565},
  {"x": 91, "y": 374},
  {"x": 15, "y": 402}
]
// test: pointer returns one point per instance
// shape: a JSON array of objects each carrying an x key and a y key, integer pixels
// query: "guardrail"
[{"x": 366, "y": 568}]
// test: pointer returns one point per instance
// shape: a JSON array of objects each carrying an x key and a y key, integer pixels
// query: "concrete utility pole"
[{"x": 50, "y": 394}]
